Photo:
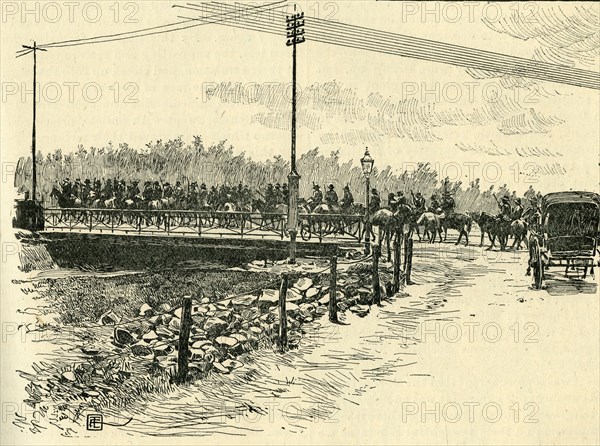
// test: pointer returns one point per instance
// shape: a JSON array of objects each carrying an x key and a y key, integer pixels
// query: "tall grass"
[{"x": 174, "y": 160}]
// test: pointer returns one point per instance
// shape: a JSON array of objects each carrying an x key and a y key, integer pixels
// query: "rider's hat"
[
  {"x": 505, "y": 198},
  {"x": 316, "y": 187},
  {"x": 373, "y": 191},
  {"x": 346, "y": 187},
  {"x": 331, "y": 186},
  {"x": 203, "y": 186}
]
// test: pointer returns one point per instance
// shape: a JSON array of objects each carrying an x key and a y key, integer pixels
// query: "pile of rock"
[{"x": 222, "y": 331}]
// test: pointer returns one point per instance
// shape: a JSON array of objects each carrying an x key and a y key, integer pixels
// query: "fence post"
[
  {"x": 376, "y": 288},
  {"x": 283, "y": 341},
  {"x": 397, "y": 257},
  {"x": 333, "y": 317},
  {"x": 184, "y": 337},
  {"x": 408, "y": 256}
]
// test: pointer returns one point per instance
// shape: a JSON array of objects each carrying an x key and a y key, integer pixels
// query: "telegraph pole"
[
  {"x": 295, "y": 36},
  {"x": 34, "y": 49}
]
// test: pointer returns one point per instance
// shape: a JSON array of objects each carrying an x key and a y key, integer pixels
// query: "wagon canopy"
[
  {"x": 570, "y": 197},
  {"x": 572, "y": 219}
]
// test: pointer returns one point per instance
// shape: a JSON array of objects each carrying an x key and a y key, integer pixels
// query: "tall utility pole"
[
  {"x": 34, "y": 49},
  {"x": 295, "y": 36}
]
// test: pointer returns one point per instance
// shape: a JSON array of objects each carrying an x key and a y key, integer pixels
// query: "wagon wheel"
[
  {"x": 305, "y": 232},
  {"x": 537, "y": 264}
]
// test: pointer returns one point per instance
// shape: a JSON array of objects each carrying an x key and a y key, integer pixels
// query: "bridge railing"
[{"x": 222, "y": 224}]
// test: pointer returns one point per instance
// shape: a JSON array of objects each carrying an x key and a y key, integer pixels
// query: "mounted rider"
[
  {"x": 517, "y": 211},
  {"x": 202, "y": 195},
  {"x": 316, "y": 199},
  {"x": 86, "y": 191},
  {"x": 347, "y": 199},
  {"x": 213, "y": 197},
  {"x": 193, "y": 195},
  {"x": 270, "y": 197},
  {"x": 331, "y": 197},
  {"x": 418, "y": 201},
  {"x": 108, "y": 190},
  {"x": 148, "y": 192},
  {"x": 66, "y": 188},
  {"x": 435, "y": 204},
  {"x": 179, "y": 194},
  {"x": 392, "y": 202},
  {"x": 448, "y": 203},
  {"x": 374, "y": 201},
  {"x": 401, "y": 199},
  {"x": 167, "y": 190},
  {"x": 157, "y": 191},
  {"x": 278, "y": 193},
  {"x": 286, "y": 193},
  {"x": 505, "y": 208}
]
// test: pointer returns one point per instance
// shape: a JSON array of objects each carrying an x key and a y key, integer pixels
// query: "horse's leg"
[
  {"x": 460, "y": 234},
  {"x": 389, "y": 250}
]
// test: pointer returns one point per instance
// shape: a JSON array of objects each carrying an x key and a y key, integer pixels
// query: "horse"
[
  {"x": 518, "y": 229},
  {"x": 392, "y": 224},
  {"x": 461, "y": 222},
  {"x": 496, "y": 227},
  {"x": 432, "y": 225}
]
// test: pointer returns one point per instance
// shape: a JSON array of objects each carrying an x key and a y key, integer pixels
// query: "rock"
[
  {"x": 249, "y": 314},
  {"x": 166, "y": 318},
  {"x": 244, "y": 301},
  {"x": 146, "y": 310},
  {"x": 227, "y": 341},
  {"x": 154, "y": 320},
  {"x": 321, "y": 310},
  {"x": 205, "y": 301},
  {"x": 268, "y": 298},
  {"x": 224, "y": 304},
  {"x": 164, "y": 308},
  {"x": 150, "y": 336},
  {"x": 123, "y": 337},
  {"x": 360, "y": 310},
  {"x": 164, "y": 332},
  {"x": 256, "y": 330},
  {"x": 224, "y": 314},
  {"x": 291, "y": 307},
  {"x": 220, "y": 368},
  {"x": 175, "y": 324},
  {"x": 325, "y": 299},
  {"x": 69, "y": 376},
  {"x": 303, "y": 284},
  {"x": 312, "y": 293},
  {"x": 177, "y": 312},
  {"x": 196, "y": 354},
  {"x": 200, "y": 310},
  {"x": 201, "y": 343},
  {"x": 240, "y": 337},
  {"x": 232, "y": 364},
  {"x": 109, "y": 318},
  {"x": 214, "y": 326},
  {"x": 141, "y": 350},
  {"x": 307, "y": 311},
  {"x": 163, "y": 350},
  {"x": 293, "y": 295}
]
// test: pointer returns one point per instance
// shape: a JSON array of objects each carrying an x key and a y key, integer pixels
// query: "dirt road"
[{"x": 468, "y": 354}]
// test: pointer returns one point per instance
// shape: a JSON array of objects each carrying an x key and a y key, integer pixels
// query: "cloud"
[{"x": 566, "y": 34}]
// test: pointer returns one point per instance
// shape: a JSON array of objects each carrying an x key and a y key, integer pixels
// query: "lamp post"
[{"x": 366, "y": 163}]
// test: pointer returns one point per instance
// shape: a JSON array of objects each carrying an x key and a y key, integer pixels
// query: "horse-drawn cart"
[{"x": 566, "y": 233}]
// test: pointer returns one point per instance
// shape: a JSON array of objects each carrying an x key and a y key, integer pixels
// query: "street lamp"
[{"x": 366, "y": 163}]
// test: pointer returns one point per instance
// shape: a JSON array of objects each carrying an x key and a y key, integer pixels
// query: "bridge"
[{"x": 342, "y": 229}]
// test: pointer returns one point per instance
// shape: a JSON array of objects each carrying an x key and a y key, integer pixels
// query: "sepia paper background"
[{"x": 162, "y": 87}]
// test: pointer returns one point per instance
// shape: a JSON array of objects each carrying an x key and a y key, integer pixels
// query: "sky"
[{"x": 232, "y": 84}]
